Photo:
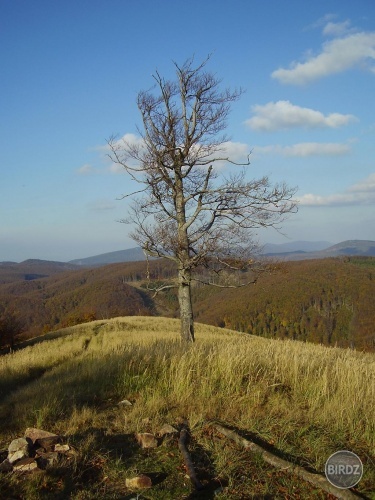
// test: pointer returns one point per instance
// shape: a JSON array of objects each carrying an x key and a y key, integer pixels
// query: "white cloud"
[
  {"x": 322, "y": 21},
  {"x": 305, "y": 149},
  {"x": 86, "y": 169},
  {"x": 337, "y": 55},
  {"x": 283, "y": 115},
  {"x": 366, "y": 185},
  {"x": 336, "y": 29},
  {"x": 236, "y": 151},
  {"x": 116, "y": 168},
  {"x": 123, "y": 143},
  {"x": 362, "y": 193},
  {"x": 126, "y": 141}
]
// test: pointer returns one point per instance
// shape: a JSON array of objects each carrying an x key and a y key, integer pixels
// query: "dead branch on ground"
[
  {"x": 187, "y": 459},
  {"x": 279, "y": 463}
]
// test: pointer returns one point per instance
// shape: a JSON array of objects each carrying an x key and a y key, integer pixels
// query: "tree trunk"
[{"x": 186, "y": 309}]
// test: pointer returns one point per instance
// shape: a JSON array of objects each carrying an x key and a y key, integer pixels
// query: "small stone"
[
  {"x": 35, "y": 434},
  {"x": 48, "y": 443},
  {"x": 17, "y": 455},
  {"x": 45, "y": 459},
  {"x": 139, "y": 482},
  {"x": 25, "y": 464},
  {"x": 125, "y": 402},
  {"x": 62, "y": 448},
  {"x": 167, "y": 429},
  {"x": 18, "y": 449},
  {"x": 147, "y": 440},
  {"x": 18, "y": 444}
]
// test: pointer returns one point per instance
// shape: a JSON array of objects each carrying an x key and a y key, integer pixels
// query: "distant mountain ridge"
[
  {"x": 32, "y": 269},
  {"x": 295, "y": 250},
  {"x": 296, "y": 246},
  {"x": 137, "y": 254},
  {"x": 353, "y": 247},
  {"x": 129, "y": 255},
  {"x": 363, "y": 248}
]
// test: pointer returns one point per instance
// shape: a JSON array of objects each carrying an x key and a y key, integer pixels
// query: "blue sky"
[{"x": 71, "y": 70}]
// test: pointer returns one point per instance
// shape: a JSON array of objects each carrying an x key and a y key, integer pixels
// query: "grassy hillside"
[{"x": 302, "y": 401}]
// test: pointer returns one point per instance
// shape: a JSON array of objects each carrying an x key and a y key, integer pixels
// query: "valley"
[{"x": 329, "y": 301}]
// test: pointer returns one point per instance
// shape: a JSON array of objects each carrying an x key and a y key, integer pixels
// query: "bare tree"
[{"x": 187, "y": 210}]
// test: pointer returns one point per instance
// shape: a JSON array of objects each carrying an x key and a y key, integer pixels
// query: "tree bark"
[{"x": 186, "y": 308}]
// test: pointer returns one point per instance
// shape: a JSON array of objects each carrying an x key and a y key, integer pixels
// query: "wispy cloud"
[
  {"x": 86, "y": 169},
  {"x": 235, "y": 151},
  {"x": 346, "y": 50},
  {"x": 366, "y": 185},
  {"x": 116, "y": 168},
  {"x": 337, "y": 29},
  {"x": 362, "y": 193},
  {"x": 282, "y": 115},
  {"x": 124, "y": 141},
  {"x": 305, "y": 149}
]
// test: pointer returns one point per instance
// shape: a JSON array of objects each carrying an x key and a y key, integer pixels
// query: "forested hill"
[
  {"x": 329, "y": 301},
  {"x": 69, "y": 298},
  {"x": 32, "y": 269}
]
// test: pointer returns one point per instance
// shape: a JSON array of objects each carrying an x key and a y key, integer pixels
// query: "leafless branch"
[{"x": 189, "y": 211}]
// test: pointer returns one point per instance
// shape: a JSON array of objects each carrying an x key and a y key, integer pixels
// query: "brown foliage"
[
  {"x": 10, "y": 327},
  {"x": 73, "y": 297},
  {"x": 329, "y": 301}
]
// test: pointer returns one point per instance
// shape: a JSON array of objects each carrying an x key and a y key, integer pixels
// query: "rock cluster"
[
  {"x": 35, "y": 451},
  {"x": 38, "y": 449}
]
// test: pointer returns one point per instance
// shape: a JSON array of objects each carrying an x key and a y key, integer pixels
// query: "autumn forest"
[{"x": 329, "y": 301}]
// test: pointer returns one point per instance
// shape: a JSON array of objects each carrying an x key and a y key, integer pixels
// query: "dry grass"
[{"x": 307, "y": 401}]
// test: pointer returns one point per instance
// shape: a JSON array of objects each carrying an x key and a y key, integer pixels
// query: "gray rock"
[
  {"x": 61, "y": 448},
  {"x": 125, "y": 402},
  {"x": 26, "y": 464},
  {"x": 147, "y": 440},
  {"x": 36, "y": 434},
  {"x": 18, "y": 444},
  {"x": 46, "y": 459},
  {"x": 48, "y": 443},
  {"x": 167, "y": 429},
  {"x": 139, "y": 482},
  {"x": 18, "y": 449}
]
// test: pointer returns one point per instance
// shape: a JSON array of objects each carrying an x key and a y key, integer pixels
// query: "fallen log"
[
  {"x": 187, "y": 459},
  {"x": 279, "y": 463}
]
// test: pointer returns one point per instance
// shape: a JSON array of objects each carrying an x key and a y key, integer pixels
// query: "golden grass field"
[{"x": 304, "y": 401}]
